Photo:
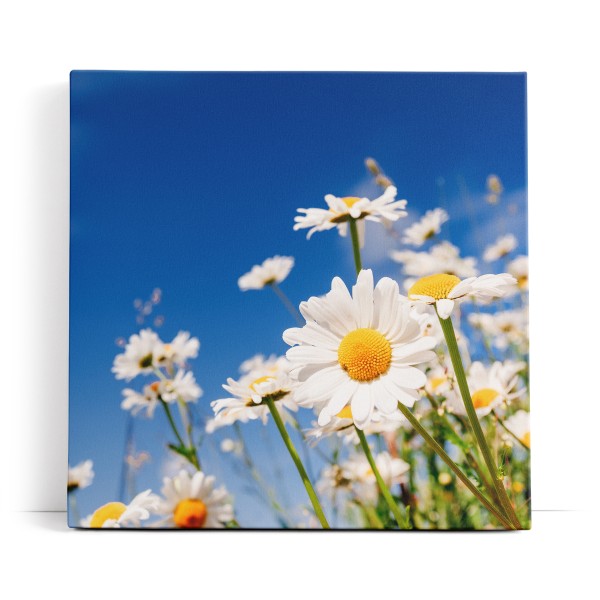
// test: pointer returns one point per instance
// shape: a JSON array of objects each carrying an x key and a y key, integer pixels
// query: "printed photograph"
[{"x": 299, "y": 301}]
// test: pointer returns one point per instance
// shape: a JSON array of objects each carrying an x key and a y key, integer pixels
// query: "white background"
[{"x": 556, "y": 43}]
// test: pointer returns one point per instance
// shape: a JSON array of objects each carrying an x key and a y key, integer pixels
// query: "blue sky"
[{"x": 183, "y": 181}]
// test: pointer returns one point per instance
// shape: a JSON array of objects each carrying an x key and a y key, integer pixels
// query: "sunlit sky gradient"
[{"x": 183, "y": 181}]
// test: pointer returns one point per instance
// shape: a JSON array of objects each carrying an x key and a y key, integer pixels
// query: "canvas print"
[{"x": 299, "y": 301}]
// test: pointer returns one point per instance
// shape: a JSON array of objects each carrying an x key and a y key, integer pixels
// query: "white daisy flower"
[
  {"x": 341, "y": 210},
  {"x": 519, "y": 269},
  {"x": 444, "y": 290},
  {"x": 441, "y": 258},
  {"x": 268, "y": 378},
  {"x": 182, "y": 387},
  {"x": 141, "y": 355},
  {"x": 393, "y": 471},
  {"x": 518, "y": 425},
  {"x": 117, "y": 515},
  {"x": 358, "y": 349},
  {"x": 439, "y": 382},
  {"x": 192, "y": 502},
  {"x": 80, "y": 476},
  {"x": 356, "y": 476},
  {"x": 424, "y": 229},
  {"x": 342, "y": 425},
  {"x": 504, "y": 245},
  {"x": 505, "y": 327},
  {"x": 272, "y": 270},
  {"x": 179, "y": 351},
  {"x": 490, "y": 387}
]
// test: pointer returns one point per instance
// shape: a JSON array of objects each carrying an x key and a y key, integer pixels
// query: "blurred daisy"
[
  {"x": 501, "y": 247},
  {"x": 393, "y": 472},
  {"x": 519, "y": 269},
  {"x": 192, "y": 502},
  {"x": 490, "y": 387},
  {"x": 505, "y": 327},
  {"x": 182, "y": 387},
  {"x": 358, "y": 349},
  {"x": 179, "y": 351},
  {"x": 141, "y": 355},
  {"x": 444, "y": 290},
  {"x": 424, "y": 229},
  {"x": 268, "y": 377},
  {"x": 495, "y": 188},
  {"x": 80, "y": 476},
  {"x": 117, "y": 515},
  {"x": 439, "y": 382},
  {"x": 341, "y": 210},
  {"x": 342, "y": 425},
  {"x": 441, "y": 258},
  {"x": 273, "y": 270},
  {"x": 518, "y": 425},
  {"x": 356, "y": 476}
]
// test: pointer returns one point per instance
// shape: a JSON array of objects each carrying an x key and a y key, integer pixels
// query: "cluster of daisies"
[{"x": 368, "y": 368}]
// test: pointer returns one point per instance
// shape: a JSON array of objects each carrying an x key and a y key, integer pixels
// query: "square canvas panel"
[{"x": 298, "y": 301}]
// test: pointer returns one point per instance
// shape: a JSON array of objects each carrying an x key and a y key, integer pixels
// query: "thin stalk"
[
  {"x": 370, "y": 514},
  {"x": 461, "y": 379},
  {"x": 172, "y": 423},
  {"x": 355, "y": 245},
  {"x": 287, "y": 303},
  {"x": 503, "y": 425},
  {"x": 193, "y": 455},
  {"x": 385, "y": 492},
  {"x": 294, "y": 454},
  {"x": 470, "y": 457},
  {"x": 453, "y": 466},
  {"x": 269, "y": 494}
]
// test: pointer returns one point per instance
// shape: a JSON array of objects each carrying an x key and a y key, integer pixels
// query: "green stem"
[
  {"x": 355, "y": 245},
  {"x": 172, "y": 423},
  {"x": 287, "y": 303},
  {"x": 301, "y": 470},
  {"x": 380, "y": 482},
  {"x": 453, "y": 466},
  {"x": 461, "y": 379}
]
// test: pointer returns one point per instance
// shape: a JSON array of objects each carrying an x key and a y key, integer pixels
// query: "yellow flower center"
[
  {"x": 436, "y": 382},
  {"x": 190, "y": 514},
  {"x": 260, "y": 380},
  {"x": 484, "y": 397},
  {"x": 154, "y": 386},
  {"x": 350, "y": 201},
  {"x": 437, "y": 286},
  {"x": 112, "y": 510},
  {"x": 345, "y": 413},
  {"x": 517, "y": 487},
  {"x": 365, "y": 354},
  {"x": 526, "y": 439},
  {"x": 522, "y": 281}
]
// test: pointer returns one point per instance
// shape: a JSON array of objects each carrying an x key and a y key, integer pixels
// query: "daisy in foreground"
[
  {"x": 192, "y": 502},
  {"x": 272, "y": 271},
  {"x": 444, "y": 290},
  {"x": 116, "y": 515},
  {"x": 358, "y": 349},
  {"x": 424, "y": 229},
  {"x": 80, "y": 476},
  {"x": 341, "y": 210}
]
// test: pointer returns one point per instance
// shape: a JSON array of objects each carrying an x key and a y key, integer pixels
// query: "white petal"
[{"x": 444, "y": 307}]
